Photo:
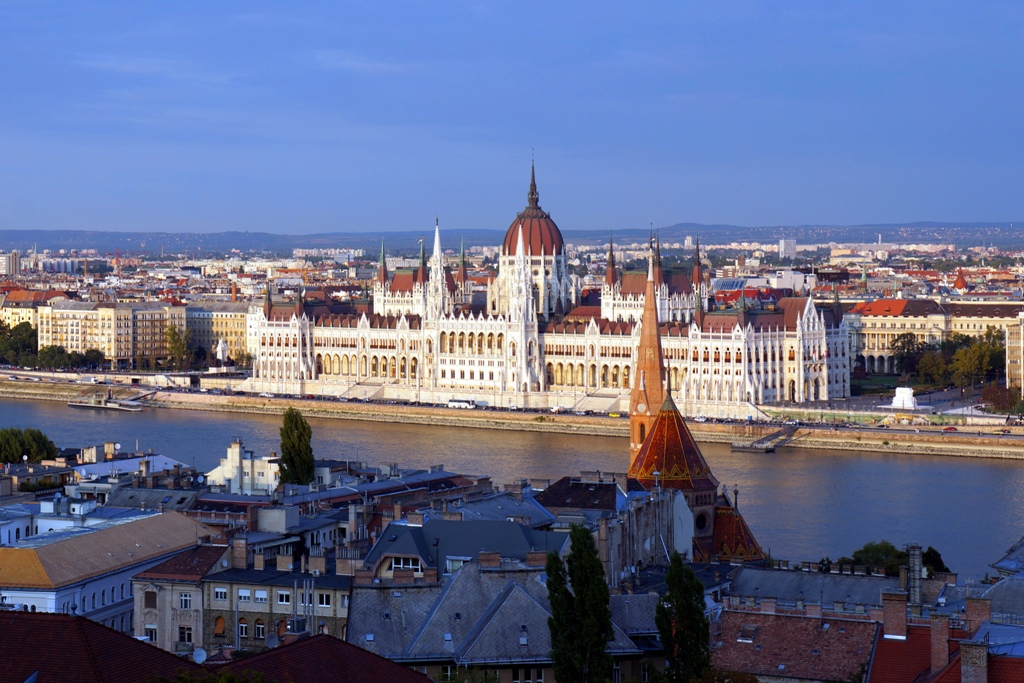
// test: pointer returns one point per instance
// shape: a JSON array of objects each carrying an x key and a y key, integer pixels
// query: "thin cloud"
[
  {"x": 171, "y": 69},
  {"x": 342, "y": 60}
]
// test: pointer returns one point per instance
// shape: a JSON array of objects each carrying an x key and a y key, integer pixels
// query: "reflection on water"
[{"x": 801, "y": 504}]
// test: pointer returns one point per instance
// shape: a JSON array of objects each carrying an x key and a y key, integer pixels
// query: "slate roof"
[
  {"x": 324, "y": 659},
  {"x": 1007, "y": 597},
  {"x": 461, "y": 539},
  {"x": 478, "y": 616},
  {"x": 793, "y": 646},
  {"x": 169, "y": 499},
  {"x": 571, "y": 493},
  {"x": 501, "y": 506},
  {"x": 786, "y": 586},
  {"x": 1013, "y": 561},
  {"x": 66, "y": 648}
]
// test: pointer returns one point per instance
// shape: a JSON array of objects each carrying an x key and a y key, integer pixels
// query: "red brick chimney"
[
  {"x": 536, "y": 558},
  {"x": 978, "y": 610},
  {"x": 940, "y": 642},
  {"x": 489, "y": 559},
  {"x": 894, "y": 615},
  {"x": 973, "y": 661},
  {"x": 768, "y": 605}
]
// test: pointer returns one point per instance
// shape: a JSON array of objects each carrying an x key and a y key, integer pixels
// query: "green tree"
[
  {"x": 18, "y": 344},
  {"x": 296, "y": 449},
  {"x": 881, "y": 554},
  {"x": 94, "y": 358},
  {"x": 970, "y": 364},
  {"x": 683, "y": 625},
  {"x": 931, "y": 367},
  {"x": 932, "y": 559},
  {"x": 52, "y": 357},
  {"x": 15, "y": 443},
  {"x": 907, "y": 351},
  {"x": 179, "y": 346},
  {"x": 581, "y": 620}
]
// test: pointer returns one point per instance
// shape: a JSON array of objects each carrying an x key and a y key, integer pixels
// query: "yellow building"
[
  {"x": 22, "y": 305},
  {"x": 211, "y": 321},
  {"x": 130, "y": 335}
]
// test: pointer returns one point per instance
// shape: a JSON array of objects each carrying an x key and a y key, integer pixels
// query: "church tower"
[{"x": 649, "y": 386}]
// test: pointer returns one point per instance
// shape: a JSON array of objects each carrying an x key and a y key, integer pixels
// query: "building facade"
[
  {"x": 213, "y": 321},
  {"x": 532, "y": 345},
  {"x": 130, "y": 335}
]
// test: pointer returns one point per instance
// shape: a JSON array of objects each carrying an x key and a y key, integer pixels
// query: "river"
[{"x": 802, "y": 504}]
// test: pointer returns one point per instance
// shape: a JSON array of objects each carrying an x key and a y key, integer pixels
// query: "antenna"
[
  {"x": 199, "y": 656},
  {"x": 117, "y": 446},
  {"x": 272, "y": 640}
]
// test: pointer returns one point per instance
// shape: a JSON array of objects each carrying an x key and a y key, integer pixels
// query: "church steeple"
[
  {"x": 610, "y": 276},
  {"x": 649, "y": 386},
  {"x": 463, "y": 271},
  {"x": 421, "y": 272},
  {"x": 533, "y": 199},
  {"x": 382, "y": 267}
]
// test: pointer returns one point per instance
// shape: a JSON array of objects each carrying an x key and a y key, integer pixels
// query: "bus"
[{"x": 462, "y": 403}]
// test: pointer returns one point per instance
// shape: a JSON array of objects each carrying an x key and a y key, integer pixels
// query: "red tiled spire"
[
  {"x": 648, "y": 385},
  {"x": 671, "y": 451}
]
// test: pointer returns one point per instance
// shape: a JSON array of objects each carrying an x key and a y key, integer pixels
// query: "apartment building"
[{"x": 211, "y": 321}]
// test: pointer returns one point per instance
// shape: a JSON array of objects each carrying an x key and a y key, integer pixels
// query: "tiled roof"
[
  {"x": 567, "y": 493},
  {"x": 787, "y": 586},
  {"x": 64, "y": 648},
  {"x": 671, "y": 451},
  {"x": 191, "y": 565},
  {"x": 733, "y": 539},
  {"x": 324, "y": 659},
  {"x": 90, "y": 553},
  {"x": 791, "y": 647},
  {"x": 903, "y": 661},
  {"x": 635, "y": 282}
]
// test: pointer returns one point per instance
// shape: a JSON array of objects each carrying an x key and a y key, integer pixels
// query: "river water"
[{"x": 801, "y": 504}]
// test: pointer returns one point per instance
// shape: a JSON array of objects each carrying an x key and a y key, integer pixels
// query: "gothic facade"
[{"x": 531, "y": 344}]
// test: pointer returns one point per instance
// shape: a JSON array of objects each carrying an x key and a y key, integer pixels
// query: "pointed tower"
[
  {"x": 463, "y": 271},
  {"x": 382, "y": 267},
  {"x": 437, "y": 287},
  {"x": 268, "y": 304},
  {"x": 659, "y": 276},
  {"x": 421, "y": 272},
  {"x": 610, "y": 276},
  {"x": 697, "y": 285},
  {"x": 649, "y": 386}
]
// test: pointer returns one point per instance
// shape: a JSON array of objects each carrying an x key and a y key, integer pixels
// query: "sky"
[{"x": 376, "y": 116}]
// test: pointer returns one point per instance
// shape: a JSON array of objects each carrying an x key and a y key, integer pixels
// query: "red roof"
[
  {"x": 324, "y": 659},
  {"x": 1001, "y": 669},
  {"x": 191, "y": 565},
  {"x": 61, "y": 647},
  {"x": 671, "y": 451},
  {"x": 793, "y": 646},
  {"x": 732, "y": 538},
  {"x": 540, "y": 234},
  {"x": 902, "y": 661}
]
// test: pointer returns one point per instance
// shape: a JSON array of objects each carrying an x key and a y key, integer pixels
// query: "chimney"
[
  {"x": 814, "y": 609},
  {"x": 894, "y": 615},
  {"x": 489, "y": 559},
  {"x": 403, "y": 576},
  {"x": 302, "y": 564},
  {"x": 397, "y": 511},
  {"x": 318, "y": 563},
  {"x": 414, "y": 519},
  {"x": 364, "y": 577},
  {"x": 258, "y": 562},
  {"x": 234, "y": 291},
  {"x": 451, "y": 516},
  {"x": 978, "y": 610},
  {"x": 536, "y": 558},
  {"x": 284, "y": 563},
  {"x": 973, "y": 661},
  {"x": 239, "y": 552},
  {"x": 768, "y": 605},
  {"x": 940, "y": 642}
]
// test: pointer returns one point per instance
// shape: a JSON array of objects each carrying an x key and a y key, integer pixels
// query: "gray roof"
[
  {"x": 273, "y": 577},
  {"x": 501, "y": 506},
  {"x": 787, "y": 586},
  {"x": 634, "y": 614},
  {"x": 1007, "y": 598},
  {"x": 170, "y": 499},
  {"x": 1013, "y": 561},
  {"x": 461, "y": 539},
  {"x": 218, "y": 307},
  {"x": 480, "y": 616},
  {"x": 1002, "y": 639}
]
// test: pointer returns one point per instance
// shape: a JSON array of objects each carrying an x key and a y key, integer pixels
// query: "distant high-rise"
[
  {"x": 787, "y": 249},
  {"x": 10, "y": 264}
]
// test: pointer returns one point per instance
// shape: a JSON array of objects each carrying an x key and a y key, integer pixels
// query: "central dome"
[{"x": 540, "y": 234}]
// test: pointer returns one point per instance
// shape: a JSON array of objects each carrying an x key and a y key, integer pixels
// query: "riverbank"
[{"x": 924, "y": 442}]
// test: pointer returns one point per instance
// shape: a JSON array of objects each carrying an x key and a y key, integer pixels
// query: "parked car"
[{"x": 949, "y": 429}]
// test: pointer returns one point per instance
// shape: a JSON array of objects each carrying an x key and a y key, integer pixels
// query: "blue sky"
[{"x": 314, "y": 117}]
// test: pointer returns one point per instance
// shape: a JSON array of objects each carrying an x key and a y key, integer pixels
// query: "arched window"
[{"x": 218, "y": 626}]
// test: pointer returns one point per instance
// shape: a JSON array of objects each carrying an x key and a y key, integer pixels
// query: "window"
[
  {"x": 185, "y": 634},
  {"x": 243, "y": 628},
  {"x": 261, "y": 629},
  {"x": 449, "y": 672},
  {"x": 148, "y": 600},
  {"x": 412, "y": 563},
  {"x": 218, "y": 627},
  {"x": 151, "y": 632},
  {"x": 185, "y": 600},
  {"x": 243, "y": 595},
  {"x": 261, "y": 596},
  {"x": 284, "y": 598},
  {"x": 220, "y": 593}
]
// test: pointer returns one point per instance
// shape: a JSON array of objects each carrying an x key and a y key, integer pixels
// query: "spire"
[
  {"x": 649, "y": 386},
  {"x": 659, "y": 277},
  {"x": 533, "y": 199},
  {"x": 268, "y": 303},
  {"x": 437, "y": 241},
  {"x": 421, "y": 273},
  {"x": 463, "y": 271},
  {"x": 610, "y": 276},
  {"x": 382, "y": 268}
]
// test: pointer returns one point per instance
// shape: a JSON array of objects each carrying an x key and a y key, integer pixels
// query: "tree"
[
  {"x": 881, "y": 554},
  {"x": 296, "y": 449},
  {"x": 970, "y": 364},
  {"x": 15, "y": 443},
  {"x": 581, "y": 620},
  {"x": 1000, "y": 397},
  {"x": 932, "y": 559},
  {"x": 907, "y": 351},
  {"x": 931, "y": 367},
  {"x": 683, "y": 625},
  {"x": 179, "y": 346}
]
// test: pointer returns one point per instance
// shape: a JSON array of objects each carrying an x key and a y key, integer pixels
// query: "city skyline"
[{"x": 321, "y": 118}]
